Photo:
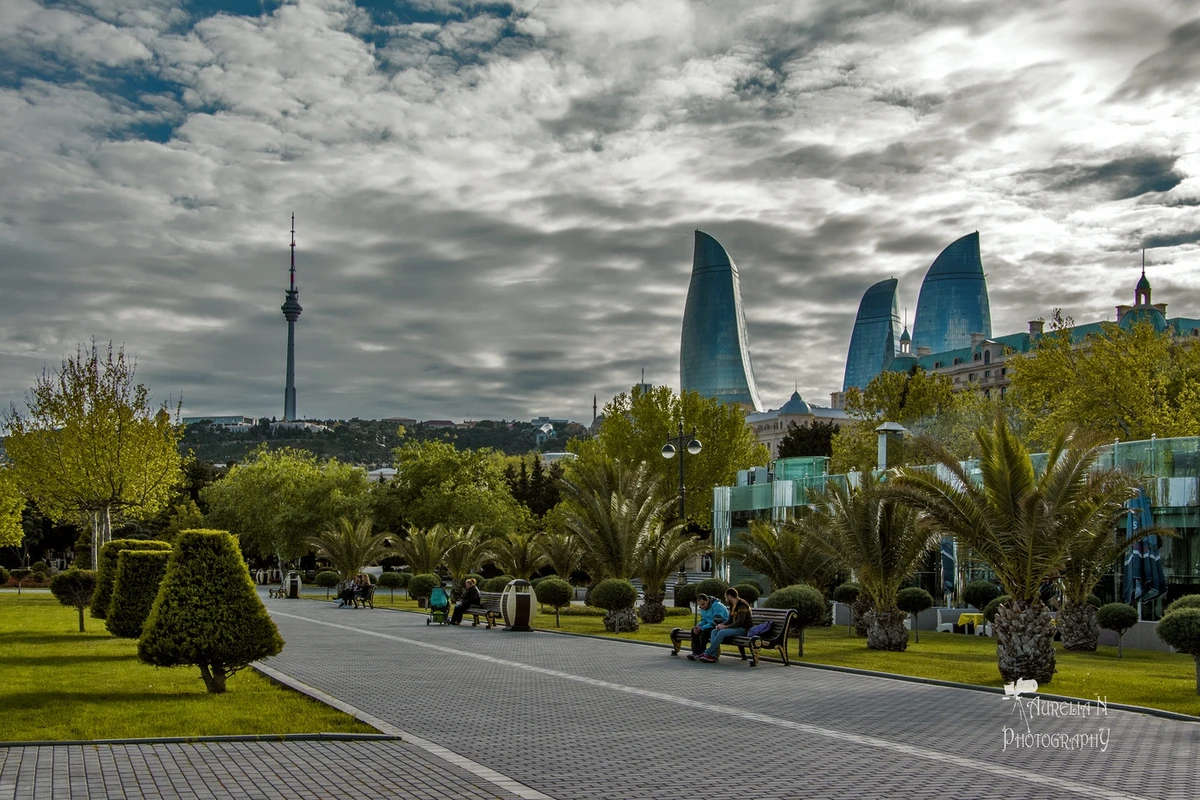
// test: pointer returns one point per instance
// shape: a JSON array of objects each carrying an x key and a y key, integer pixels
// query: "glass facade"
[
  {"x": 714, "y": 353},
  {"x": 953, "y": 303},
  {"x": 873, "y": 342}
]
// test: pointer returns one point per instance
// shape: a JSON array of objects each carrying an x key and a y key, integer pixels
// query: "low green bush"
[
  {"x": 405, "y": 577},
  {"x": 139, "y": 574},
  {"x": 390, "y": 581},
  {"x": 556, "y": 593},
  {"x": 748, "y": 592},
  {"x": 1093, "y": 601},
  {"x": 614, "y": 594},
  {"x": 1118, "y": 617},
  {"x": 581, "y": 611},
  {"x": 1180, "y": 603},
  {"x": 74, "y": 587},
  {"x": 713, "y": 587},
  {"x": 106, "y": 571},
  {"x": 1181, "y": 629},
  {"x": 679, "y": 612},
  {"x": 4, "y": 576},
  {"x": 847, "y": 593},
  {"x": 914, "y": 600},
  {"x": 685, "y": 595},
  {"x": 980, "y": 593},
  {"x": 989, "y": 611},
  {"x": 808, "y": 603},
  {"x": 421, "y": 585},
  {"x": 40, "y": 567},
  {"x": 495, "y": 584},
  {"x": 327, "y": 579}
]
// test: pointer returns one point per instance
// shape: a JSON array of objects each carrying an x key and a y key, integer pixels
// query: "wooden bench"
[
  {"x": 367, "y": 600},
  {"x": 488, "y": 608},
  {"x": 775, "y": 638}
]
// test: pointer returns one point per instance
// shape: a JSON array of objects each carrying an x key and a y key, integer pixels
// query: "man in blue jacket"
[{"x": 712, "y": 613}]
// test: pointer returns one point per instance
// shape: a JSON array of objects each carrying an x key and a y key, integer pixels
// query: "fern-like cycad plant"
[
  {"x": 783, "y": 553},
  {"x": 424, "y": 550},
  {"x": 350, "y": 546},
  {"x": 518, "y": 554}
]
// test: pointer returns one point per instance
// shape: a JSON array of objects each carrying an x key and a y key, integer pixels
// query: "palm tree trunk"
[
  {"x": 652, "y": 609},
  {"x": 624, "y": 619},
  {"x": 886, "y": 631},
  {"x": 1025, "y": 641},
  {"x": 858, "y": 610},
  {"x": 1078, "y": 626}
]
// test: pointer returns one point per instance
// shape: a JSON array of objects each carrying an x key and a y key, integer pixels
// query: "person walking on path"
[
  {"x": 739, "y": 622},
  {"x": 471, "y": 597},
  {"x": 712, "y": 613}
]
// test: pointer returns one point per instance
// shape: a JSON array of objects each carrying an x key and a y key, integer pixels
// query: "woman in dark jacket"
[
  {"x": 471, "y": 597},
  {"x": 739, "y": 622}
]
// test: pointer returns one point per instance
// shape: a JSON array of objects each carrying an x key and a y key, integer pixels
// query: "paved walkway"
[{"x": 538, "y": 715}]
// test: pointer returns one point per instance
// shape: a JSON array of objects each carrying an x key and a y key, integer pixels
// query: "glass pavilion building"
[
  {"x": 873, "y": 342},
  {"x": 953, "y": 303},
  {"x": 714, "y": 353}
]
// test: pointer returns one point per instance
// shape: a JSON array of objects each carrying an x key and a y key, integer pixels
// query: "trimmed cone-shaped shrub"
[
  {"x": 980, "y": 593},
  {"x": 139, "y": 575},
  {"x": 1180, "y": 603},
  {"x": 1118, "y": 617},
  {"x": 106, "y": 570},
  {"x": 616, "y": 597},
  {"x": 1180, "y": 628},
  {"x": 808, "y": 603},
  {"x": 74, "y": 587},
  {"x": 748, "y": 592},
  {"x": 495, "y": 584},
  {"x": 207, "y": 612},
  {"x": 556, "y": 593},
  {"x": 914, "y": 600},
  {"x": 419, "y": 587}
]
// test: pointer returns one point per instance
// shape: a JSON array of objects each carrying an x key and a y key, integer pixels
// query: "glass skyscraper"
[
  {"x": 873, "y": 342},
  {"x": 714, "y": 352},
  {"x": 953, "y": 303}
]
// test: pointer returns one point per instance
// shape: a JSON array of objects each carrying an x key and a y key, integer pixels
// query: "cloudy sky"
[{"x": 495, "y": 201}]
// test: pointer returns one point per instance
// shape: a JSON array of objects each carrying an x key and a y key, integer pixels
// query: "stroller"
[{"x": 439, "y": 606}]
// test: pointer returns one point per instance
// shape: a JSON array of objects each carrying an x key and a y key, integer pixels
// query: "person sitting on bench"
[
  {"x": 471, "y": 597},
  {"x": 739, "y": 622},
  {"x": 712, "y": 613}
]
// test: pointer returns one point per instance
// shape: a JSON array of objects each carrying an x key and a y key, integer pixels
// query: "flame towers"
[
  {"x": 953, "y": 303},
  {"x": 874, "y": 341},
  {"x": 291, "y": 312},
  {"x": 714, "y": 352}
]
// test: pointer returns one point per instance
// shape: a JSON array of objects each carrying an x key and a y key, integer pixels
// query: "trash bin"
[
  {"x": 293, "y": 584},
  {"x": 518, "y": 604}
]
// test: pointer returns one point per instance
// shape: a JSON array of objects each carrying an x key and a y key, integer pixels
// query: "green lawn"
[{"x": 60, "y": 684}]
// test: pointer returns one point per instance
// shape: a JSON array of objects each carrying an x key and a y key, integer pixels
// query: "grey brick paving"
[{"x": 580, "y": 718}]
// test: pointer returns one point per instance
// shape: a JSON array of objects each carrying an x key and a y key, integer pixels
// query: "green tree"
[
  {"x": 518, "y": 554},
  {"x": 783, "y": 554},
  {"x": 437, "y": 484},
  {"x": 555, "y": 593},
  {"x": 637, "y": 425},
  {"x": 466, "y": 550},
  {"x": 89, "y": 442},
  {"x": 813, "y": 439},
  {"x": 207, "y": 612},
  {"x": 563, "y": 552},
  {"x": 661, "y": 552},
  {"x": 881, "y": 541},
  {"x": 74, "y": 587},
  {"x": 184, "y": 516},
  {"x": 139, "y": 575},
  {"x": 12, "y": 504},
  {"x": 278, "y": 500},
  {"x": 914, "y": 600},
  {"x": 1117, "y": 383},
  {"x": 1020, "y": 523},
  {"x": 424, "y": 551},
  {"x": 348, "y": 547}
]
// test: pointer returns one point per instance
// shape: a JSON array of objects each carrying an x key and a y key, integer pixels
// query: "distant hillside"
[{"x": 365, "y": 441}]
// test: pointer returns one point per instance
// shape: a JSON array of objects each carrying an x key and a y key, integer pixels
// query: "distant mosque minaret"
[{"x": 291, "y": 312}]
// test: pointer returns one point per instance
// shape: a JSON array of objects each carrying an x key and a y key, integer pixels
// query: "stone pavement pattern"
[{"x": 579, "y": 718}]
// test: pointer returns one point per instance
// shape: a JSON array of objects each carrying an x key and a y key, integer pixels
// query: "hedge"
[
  {"x": 139, "y": 574},
  {"x": 106, "y": 570}
]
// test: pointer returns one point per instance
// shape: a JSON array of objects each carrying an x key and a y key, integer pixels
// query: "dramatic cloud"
[{"x": 495, "y": 200}]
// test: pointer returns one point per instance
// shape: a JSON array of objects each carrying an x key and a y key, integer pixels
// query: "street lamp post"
[{"x": 681, "y": 443}]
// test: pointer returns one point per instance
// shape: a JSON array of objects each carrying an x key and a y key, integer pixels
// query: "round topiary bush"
[
  {"x": 4, "y": 576},
  {"x": 74, "y": 587},
  {"x": 405, "y": 577},
  {"x": 1093, "y": 601},
  {"x": 616, "y": 597},
  {"x": 1181, "y": 629},
  {"x": 106, "y": 571},
  {"x": 556, "y": 593},
  {"x": 39, "y": 568},
  {"x": 207, "y": 612},
  {"x": 914, "y": 600},
  {"x": 980, "y": 593},
  {"x": 848, "y": 594},
  {"x": 326, "y": 579},
  {"x": 1118, "y": 617},
  {"x": 685, "y": 594},
  {"x": 421, "y": 585},
  {"x": 713, "y": 587},
  {"x": 808, "y": 603},
  {"x": 20, "y": 575},
  {"x": 748, "y": 592},
  {"x": 989, "y": 611},
  {"x": 139, "y": 575},
  {"x": 1180, "y": 603},
  {"x": 496, "y": 584},
  {"x": 390, "y": 581}
]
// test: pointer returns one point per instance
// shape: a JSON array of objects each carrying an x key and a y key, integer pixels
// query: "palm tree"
[
  {"x": 1100, "y": 541},
  {"x": 423, "y": 550},
  {"x": 518, "y": 554},
  {"x": 349, "y": 547},
  {"x": 1020, "y": 523},
  {"x": 784, "y": 554},
  {"x": 881, "y": 541},
  {"x": 562, "y": 552},
  {"x": 465, "y": 553},
  {"x": 660, "y": 552},
  {"x": 610, "y": 508}
]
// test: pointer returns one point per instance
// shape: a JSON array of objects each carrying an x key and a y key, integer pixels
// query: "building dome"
[
  {"x": 1144, "y": 314},
  {"x": 795, "y": 406}
]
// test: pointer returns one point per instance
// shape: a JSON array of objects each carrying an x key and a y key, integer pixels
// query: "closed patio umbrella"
[{"x": 1144, "y": 578}]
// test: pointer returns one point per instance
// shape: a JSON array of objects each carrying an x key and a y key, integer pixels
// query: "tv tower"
[{"x": 291, "y": 312}]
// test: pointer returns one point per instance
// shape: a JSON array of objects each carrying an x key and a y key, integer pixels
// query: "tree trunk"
[
  {"x": 1078, "y": 626},
  {"x": 652, "y": 609},
  {"x": 858, "y": 610},
  {"x": 81, "y": 630},
  {"x": 1197, "y": 674},
  {"x": 213, "y": 676},
  {"x": 95, "y": 539},
  {"x": 886, "y": 631},
  {"x": 800, "y": 643},
  {"x": 623, "y": 619},
  {"x": 1025, "y": 641}
]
